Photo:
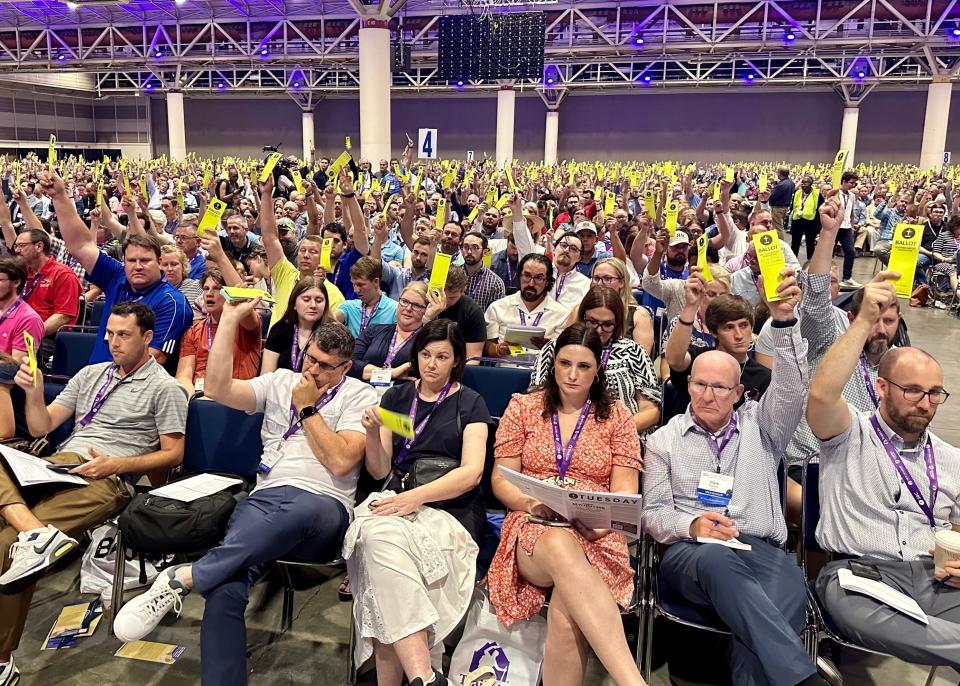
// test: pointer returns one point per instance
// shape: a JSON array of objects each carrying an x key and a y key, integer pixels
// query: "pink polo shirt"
[{"x": 21, "y": 318}]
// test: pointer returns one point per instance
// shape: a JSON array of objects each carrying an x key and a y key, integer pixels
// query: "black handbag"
[{"x": 157, "y": 525}]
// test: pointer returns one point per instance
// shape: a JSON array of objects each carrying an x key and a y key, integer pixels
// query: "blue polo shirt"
[
  {"x": 341, "y": 273},
  {"x": 171, "y": 308},
  {"x": 198, "y": 265},
  {"x": 386, "y": 313}
]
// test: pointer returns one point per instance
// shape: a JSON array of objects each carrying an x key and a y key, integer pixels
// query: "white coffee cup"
[{"x": 947, "y": 547}]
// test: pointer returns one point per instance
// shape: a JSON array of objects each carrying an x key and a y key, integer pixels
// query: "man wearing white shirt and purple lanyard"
[{"x": 846, "y": 234}]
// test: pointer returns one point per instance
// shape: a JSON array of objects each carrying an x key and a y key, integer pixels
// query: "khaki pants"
[
  {"x": 72, "y": 509},
  {"x": 780, "y": 221}
]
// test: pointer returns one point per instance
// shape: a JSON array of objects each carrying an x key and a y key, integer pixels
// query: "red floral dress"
[{"x": 523, "y": 431}]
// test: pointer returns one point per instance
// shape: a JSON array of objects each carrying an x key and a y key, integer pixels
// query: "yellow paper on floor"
[
  {"x": 903, "y": 256},
  {"x": 772, "y": 262},
  {"x": 164, "y": 653}
]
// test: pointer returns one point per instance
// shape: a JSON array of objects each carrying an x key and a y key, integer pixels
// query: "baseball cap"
[
  {"x": 679, "y": 237},
  {"x": 585, "y": 226},
  {"x": 286, "y": 224}
]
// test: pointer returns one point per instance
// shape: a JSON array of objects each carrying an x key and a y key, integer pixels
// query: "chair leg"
[
  {"x": 351, "y": 643},
  {"x": 286, "y": 613},
  {"x": 120, "y": 563},
  {"x": 931, "y": 676}
]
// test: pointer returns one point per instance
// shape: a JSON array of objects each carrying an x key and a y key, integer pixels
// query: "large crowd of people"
[{"x": 375, "y": 287}]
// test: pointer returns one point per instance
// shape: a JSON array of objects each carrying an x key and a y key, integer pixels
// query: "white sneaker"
[
  {"x": 850, "y": 283},
  {"x": 141, "y": 615},
  {"x": 940, "y": 305},
  {"x": 33, "y": 554},
  {"x": 9, "y": 674}
]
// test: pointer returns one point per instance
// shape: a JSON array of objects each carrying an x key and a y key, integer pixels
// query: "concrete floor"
[{"x": 315, "y": 650}]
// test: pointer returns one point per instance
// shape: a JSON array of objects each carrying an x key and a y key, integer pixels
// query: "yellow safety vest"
[{"x": 809, "y": 210}]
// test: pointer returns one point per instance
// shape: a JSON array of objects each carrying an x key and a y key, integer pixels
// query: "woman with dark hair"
[
  {"x": 629, "y": 372},
  {"x": 413, "y": 576},
  {"x": 288, "y": 338},
  {"x": 569, "y": 432}
]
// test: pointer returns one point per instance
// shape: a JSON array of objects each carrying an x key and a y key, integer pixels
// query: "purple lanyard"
[
  {"x": 336, "y": 272},
  {"x": 394, "y": 347},
  {"x": 10, "y": 310},
  {"x": 296, "y": 355},
  {"x": 561, "y": 280},
  {"x": 607, "y": 349},
  {"x": 477, "y": 283},
  {"x": 897, "y": 459},
  {"x": 523, "y": 317},
  {"x": 418, "y": 429},
  {"x": 509, "y": 271},
  {"x": 364, "y": 317},
  {"x": 209, "y": 327},
  {"x": 101, "y": 397},
  {"x": 32, "y": 284},
  {"x": 868, "y": 382},
  {"x": 563, "y": 456},
  {"x": 295, "y": 425},
  {"x": 718, "y": 445}
]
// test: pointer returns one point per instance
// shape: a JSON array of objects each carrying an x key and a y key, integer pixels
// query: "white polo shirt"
[{"x": 505, "y": 312}]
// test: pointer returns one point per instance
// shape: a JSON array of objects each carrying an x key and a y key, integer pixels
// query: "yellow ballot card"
[
  {"x": 729, "y": 174},
  {"x": 610, "y": 203},
  {"x": 207, "y": 178},
  {"x": 298, "y": 181},
  {"x": 236, "y": 293},
  {"x": 517, "y": 350},
  {"x": 438, "y": 275},
  {"x": 716, "y": 191},
  {"x": 211, "y": 217},
  {"x": 487, "y": 259},
  {"x": 838, "y": 163},
  {"x": 269, "y": 165},
  {"x": 100, "y": 193},
  {"x": 473, "y": 213},
  {"x": 386, "y": 206},
  {"x": 649, "y": 204},
  {"x": 397, "y": 422},
  {"x": 52, "y": 152},
  {"x": 502, "y": 201},
  {"x": 325, "y": 249},
  {"x": 491, "y": 195},
  {"x": 772, "y": 262},
  {"x": 346, "y": 143},
  {"x": 31, "y": 355},
  {"x": 126, "y": 184},
  {"x": 673, "y": 210},
  {"x": 440, "y": 219},
  {"x": 164, "y": 653},
  {"x": 510, "y": 181},
  {"x": 702, "y": 241},
  {"x": 903, "y": 256},
  {"x": 762, "y": 184}
]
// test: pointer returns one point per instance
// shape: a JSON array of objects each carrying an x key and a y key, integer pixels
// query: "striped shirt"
[
  {"x": 145, "y": 405},
  {"x": 678, "y": 452},
  {"x": 864, "y": 507},
  {"x": 484, "y": 287}
]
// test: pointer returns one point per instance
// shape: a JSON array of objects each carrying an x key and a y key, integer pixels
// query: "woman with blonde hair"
[{"x": 176, "y": 267}]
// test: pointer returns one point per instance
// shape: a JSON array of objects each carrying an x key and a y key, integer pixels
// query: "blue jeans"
[
  {"x": 277, "y": 522},
  {"x": 920, "y": 276},
  {"x": 759, "y": 594}
]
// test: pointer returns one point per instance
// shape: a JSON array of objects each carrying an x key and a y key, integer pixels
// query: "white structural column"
[
  {"x": 550, "y": 136},
  {"x": 506, "y": 103},
  {"x": 935, "y": 123},
  {"x": 848, "y": 133},
  {"x": 308, "y": 144},
  {"x": 176, "y": 131},
  {"x": 375, "y": 83}
]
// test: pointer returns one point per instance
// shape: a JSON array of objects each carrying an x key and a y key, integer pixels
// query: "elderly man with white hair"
[{"x": 711, "y": 493}]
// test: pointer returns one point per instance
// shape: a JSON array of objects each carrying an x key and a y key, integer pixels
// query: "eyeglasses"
[
  {"x": 568, "y": 246},
  {"x": 911, "y": 394},
  {"x": 310, "y": 361},
  {"x": 719, "y": 392},
  {"x": 23, "y": 245},
  {"x": 181, "y": 239},
  {"x": 606, "y": 327},
  {"x": 535, "y": 278},
  {"x": 416, "y": 307},
  {"x": 471, "y": 248},
  {"x": 606, "y": 280}
]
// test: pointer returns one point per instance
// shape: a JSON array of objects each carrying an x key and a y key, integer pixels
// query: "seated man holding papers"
[
  {"x": 130, "y": 420},
  {"x": 710, "y": 476},
  {"x": 313, "y": 445},
  {"x": 889, "y": 491}
]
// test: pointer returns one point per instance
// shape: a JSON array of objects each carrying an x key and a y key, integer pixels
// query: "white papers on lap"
[
  {"x": 732, "y": 543},
  {"x": 521, "y": 335},
  {"x": 616, "y": 511},
  {"x": 885, "y": 594},
  {"x": 199, "y": 486},
  {"x": 32, "y": 471}
]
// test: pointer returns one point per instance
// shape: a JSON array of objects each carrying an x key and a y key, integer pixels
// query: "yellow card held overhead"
[
  {"x": 211, "y": 217},
  {"x": 903, "y": 256},
  {"x": 346, "y": 143},
  {"x": 31, "y": 355},
  {"x": 610, "y": 203},
  {"x": 762, "y": 183},
  {"x": 510, "y": 181},
  {"x": 670, "y": 222},
  {"x": 397, "y": 422},
  {"x": 298, "y": 181},
  {"x": 502, "y": 201},
  {"x": 440, "y": 219},
  {"x": 702, "y": 241},
  {"x": 649, "y": 204},
  {"x": 838, "y": 163},
  {"x": 207, "y": 178},
  {"x": 326, "y": 249},
  {"x": 269, "y": 165},
  {"x": 438, "y": 275},
  {"x": 729, "y": 174},
  {"x": 473, "y": 213},
  {"x": 52, "y": 152},
  {"x": 772, "y": 262}
]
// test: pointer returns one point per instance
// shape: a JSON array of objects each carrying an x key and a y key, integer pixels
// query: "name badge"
[
  {"x": 715, "y": 490},
  {"x": 381, "y": 380},
  {"x": 268, "y": 461}
]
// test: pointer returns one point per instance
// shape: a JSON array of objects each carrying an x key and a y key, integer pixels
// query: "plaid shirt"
[
  {"x": 59, "y": 250},
  {"x": 889, "y": 218},
  {"x": 484, "y": 287}
]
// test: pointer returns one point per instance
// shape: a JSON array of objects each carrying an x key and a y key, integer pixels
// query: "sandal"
[{"x": 344, "y": 591}]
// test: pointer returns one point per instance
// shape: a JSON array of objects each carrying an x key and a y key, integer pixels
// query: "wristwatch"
[{"x": 307, "y": 412}]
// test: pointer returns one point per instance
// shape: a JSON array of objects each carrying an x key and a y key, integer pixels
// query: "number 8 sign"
[{"x": 427, "y": 144}]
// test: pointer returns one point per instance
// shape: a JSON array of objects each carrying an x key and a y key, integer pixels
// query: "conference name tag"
[
  {"x": 398, "y": 423},
  {"x": 903, "y": 256},
  {"x": 770, "y": 257},
  {"x": 702, "y": 241},
  {"x": 715, "y": 490},
  {"x": 211, "y": 217},
  {"x": 381, "y": 380}
]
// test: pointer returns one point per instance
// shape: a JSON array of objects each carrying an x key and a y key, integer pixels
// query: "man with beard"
[
  {"x": 530, "y": 306},
  {"x": 505, "y": 265},
  {"x": 395, "y": 279},
  {"x": 483, "y": 286},
  {"x": 590, "y": 254},
  {"x": 888, "y": 486},
  {"x": 489, "y": 223},
  {"x": 237, "y": 243}
]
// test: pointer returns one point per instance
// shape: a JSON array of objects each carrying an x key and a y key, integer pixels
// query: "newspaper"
[
  {"x": 617, "y": 511},
  {"x": 885, "y": 594},
  {"x": 196, "y": 487},
  {"x": 32, "y": 471}
]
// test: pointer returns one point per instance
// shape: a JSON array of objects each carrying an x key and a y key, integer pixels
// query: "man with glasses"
[
  {"x": 589, "y": 253},
  {"x": 51, "y": 289},
  {"x": 483, "y": 286},
  {"x": 888, "y": 486},
  {"x": 313, "y": 445},
  {"x": 531, "y": 306},
  {"x": 711, "y": 494},
  {"x": 186, "y": 238}
]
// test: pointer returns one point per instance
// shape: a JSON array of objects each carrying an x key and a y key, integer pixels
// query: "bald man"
[
  {"x": 887, "y": 486},
  {"x": 710, "y": 492}
]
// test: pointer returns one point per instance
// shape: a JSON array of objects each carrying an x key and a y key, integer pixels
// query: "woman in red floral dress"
[{"x": 587, "y": 570}]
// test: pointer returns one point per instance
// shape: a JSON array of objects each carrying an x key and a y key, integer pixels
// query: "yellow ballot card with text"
[
  {"x": 438, "y": 275},
  {"x": 325, "y": 250},
  {"x": 702, "y": 241},
  {"x": 397, "y": 422},
  {"x": 164, "y": 653},
  {"x": 211, "y": 217},
  {"x": 440, "y": 219},
  {"x": 772, "y": 262},
  {"x": 903, "y": 256},
  {"x": 673, "y": 210},
  {"x": 269, "y": 165},
  {"x": 838, "y": 163},
  {"x": 649, "y": 204},
  {"x": 31, "y": 355}
]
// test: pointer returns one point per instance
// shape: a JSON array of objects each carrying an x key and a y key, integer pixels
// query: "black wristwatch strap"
[{"x": 307, "y": 412}]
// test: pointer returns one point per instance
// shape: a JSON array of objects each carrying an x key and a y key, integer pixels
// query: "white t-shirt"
[
  {"x": 292, "y": 461},
  {"x": 549, "y": 314}
]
